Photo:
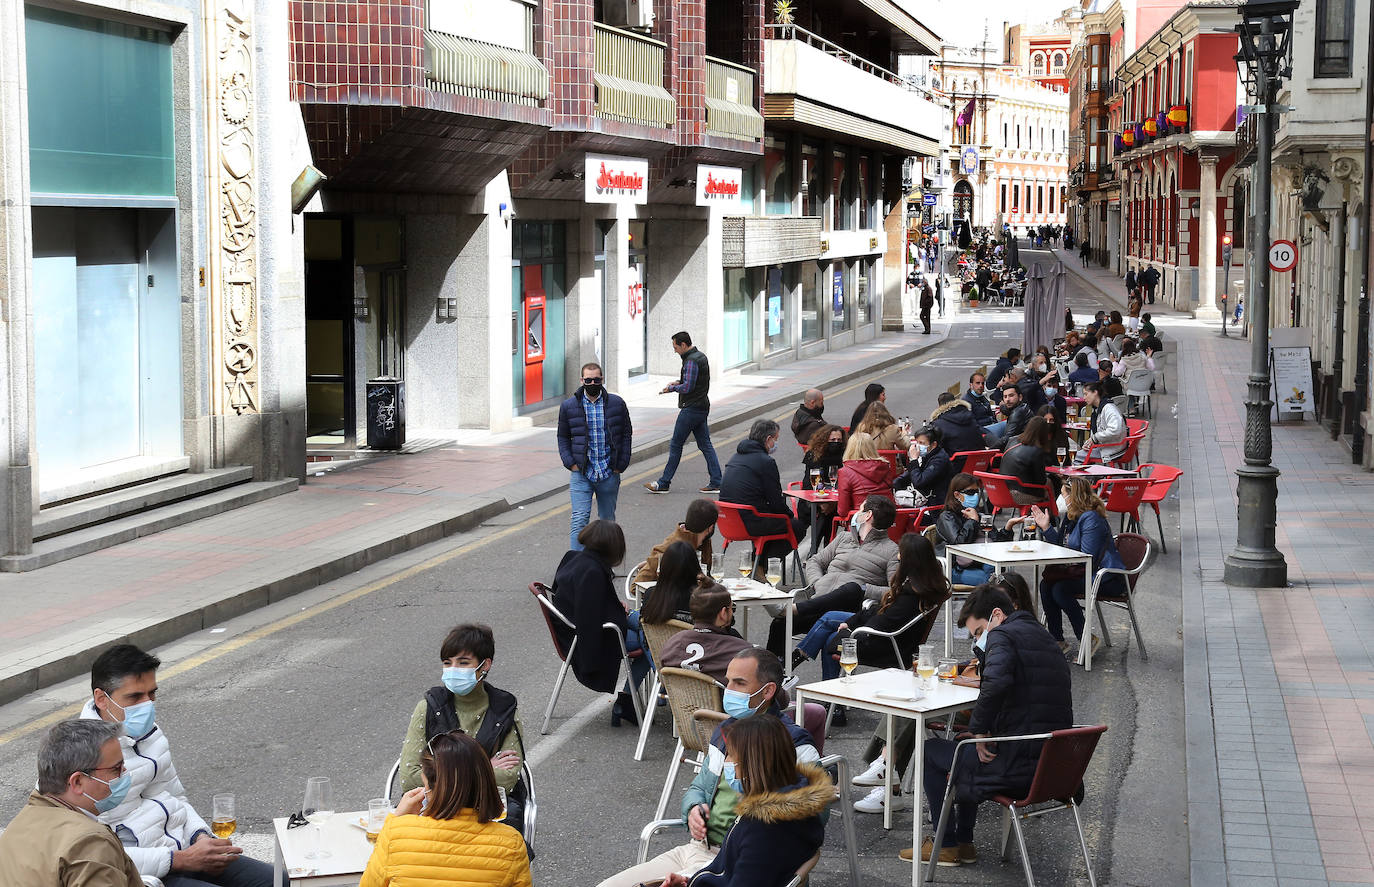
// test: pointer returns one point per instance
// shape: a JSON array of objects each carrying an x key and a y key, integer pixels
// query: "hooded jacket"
[
  {"x": 776, "y": 833},
  {"x": 751, "y": 478},
  {"x": 155, "y": 819},
  {"x": 420, "y": 851},
  {"x": 960, "y": 431},
  {"x": 871, "y": 563},
  {"x": 806, "y": 422},
  {"x": 584, "y": 591},
  {"x": 930, "y": 474},
  {"x": 860, "y": 478}
]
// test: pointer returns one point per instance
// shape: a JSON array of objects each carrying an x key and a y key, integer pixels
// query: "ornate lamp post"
[{"x": 1266, "y": 31}]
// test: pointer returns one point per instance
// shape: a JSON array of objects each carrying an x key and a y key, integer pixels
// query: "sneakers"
[
  {"x": 873, "y": 775},
  {"x": 1064, "y": 648},
  {"x": 873, "y": 802},
  {"x": 949, "y": 856},
  {"x": 798, "y": 659},
  {"x": 710, "y": 488},
  {"x": 653, "y": 486}
]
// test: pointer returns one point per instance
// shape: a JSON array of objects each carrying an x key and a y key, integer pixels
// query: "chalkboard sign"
[
  {"x": 386, "y": 418},
  {"x": 1291, "y": 370}
]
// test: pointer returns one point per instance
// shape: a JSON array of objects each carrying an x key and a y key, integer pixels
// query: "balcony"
[
  {"x": 627, "y": 70},
  {"x": 817, "y": 83},
  {"x": 730, "y": 111},
  {"x": 493, "y": 62}
]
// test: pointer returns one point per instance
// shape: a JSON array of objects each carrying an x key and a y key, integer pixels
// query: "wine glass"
[
  {"x": 774, "y": 571},
  {"x": 925, "y": 664},
  {"x": 223, "y": 822},
  {"x": 318, "y": 807},
  {"x": 746, "y": 564},
  {"x": 849, "y": 658}
]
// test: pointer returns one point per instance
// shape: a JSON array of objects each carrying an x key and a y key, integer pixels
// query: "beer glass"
[
  {"x": 717, "y": 566},
  {"x": 774, "y": 574},
  {"x": 318, "y": 807},
  {"x": 746, "y": 564},
  {"x": 1060, "y": 453},
  {"x": 223, "y": 823},
  {"x": 925, "y": 665},
  {"x": 849, "y": 658}
]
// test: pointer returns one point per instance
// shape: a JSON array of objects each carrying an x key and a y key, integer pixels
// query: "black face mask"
[
  {"x": 591, "y": 390},
  {"x": 833, "y": 448}
]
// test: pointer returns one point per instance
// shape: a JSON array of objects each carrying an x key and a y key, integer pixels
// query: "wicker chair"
[
  {"x": 655, "y": 636},
  {"x": 688, "y": 692}
]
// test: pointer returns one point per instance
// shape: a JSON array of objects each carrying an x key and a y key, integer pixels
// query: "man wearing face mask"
[
  {"x": 807, "y": 420},
  {"x": 162, "y": 833},
  {"x": 1025, "y": 688},
  {"x": 594, "y": 440},
  {"x": 57, "y": 839},
  {"x": 751, "y": 478},
  {"x": 753, "y": 683}
]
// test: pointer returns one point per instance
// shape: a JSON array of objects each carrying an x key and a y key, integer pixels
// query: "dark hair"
[
  {"x": 590, "y": 366},
  {"x": 883, "y": 509},
  {"x": 1013, "y": 353},
  {"x": 702, "y": 513},
  {"x": 1014, "y": 585},
  {"x": 765, "y": 757},
  {"x": 762, "y": 429},
  {"x": 470, "y": 637},
  {"x": 708, "y": 600},
  {"x": 1011, "y": 389},
  {"x": 1116, "y": 317},
  {"x": 458, "y": 772},
  {"x": 919, "y": 572},
  {"x": 768, "y": 665},
  {"x": 982, "y": 601},
  {"x": 678, "y": 572},
  {"x": 1038, "y": 433},
  {"x": 871, "y": 392},
  {"x": 1104, "y": 366},
  {"x": 1081, "y": 358},
  {"x": 815, "y": 447},
  {"x": 605, "y": 539},
  {"x": 943, "y": 398},
  {"x": 1145, "y": 317},
  {"x": 1094, "y": 387},
  {"x": 1091, "y": 340},
  {"x": 930, "y": 432},
  {"x": 982, "y": 376},
  {"x": 682, "y": 338},
  {"x": 119, "y": 662},
  {"x": 954, "y": 500}
]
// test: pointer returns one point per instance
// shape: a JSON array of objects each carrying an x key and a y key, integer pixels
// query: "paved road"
[{"x": 323, "y": 684}]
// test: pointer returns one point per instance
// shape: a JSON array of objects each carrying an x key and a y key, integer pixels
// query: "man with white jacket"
[{"x": 162, "y": 833}]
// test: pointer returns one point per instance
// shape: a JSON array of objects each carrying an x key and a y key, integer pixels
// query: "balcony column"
[{"x": 1207, "y": 248}]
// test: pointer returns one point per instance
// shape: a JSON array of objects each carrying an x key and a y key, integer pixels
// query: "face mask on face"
[
  {"x": 833, "y": 448},
  {"x": 970, "y": 500},
  {"x": 982, "y": 642},
  {"x": 921, "y": 450},
  {"x": 772, "y": 448},
  {"x": 737, "y": 703},
  {"x": 731, "y": 778},
  {"x": 460, "y": 681},
  {"x": 1051, "y": 391},
  {"x": 118, "y": 789},
  {"x": 138, "y": 719},
  {"x": 1061, "y": 504},
  {"x": 593, "y": 389}
]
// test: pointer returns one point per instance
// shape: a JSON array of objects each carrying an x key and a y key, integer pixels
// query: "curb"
[{"x": 76, "y": 659}]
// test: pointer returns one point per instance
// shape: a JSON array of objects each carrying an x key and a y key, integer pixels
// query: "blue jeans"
[
  {"x": 939, "y": 755},
  {"x": 691, "y": 421},
  {"x": 634, "y": 640},
  {"x": 242, "y": 872},
  {"x": 993, "y": 433},
  {"x": 607, "y": 492},
  {"x": 815, "y": 641},
  {"x": 974, "y": 575}
]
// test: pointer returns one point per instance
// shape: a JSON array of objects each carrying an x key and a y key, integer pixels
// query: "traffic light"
[{"x": 1225, "y": 252}]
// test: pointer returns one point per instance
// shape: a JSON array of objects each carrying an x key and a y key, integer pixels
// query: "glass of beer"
[
  {"x": 849, "y": 658},
  {"x": 717, "y": 566},
  {"x": 774, "y": 574},
  {"x": 746, "y": 564},
  {"x": 947, "y": 669},
  {"x": 925, "y": 665},
  {"x": 223, "y": 822},
  {"x": 815, "y": 478},
  {"x": 1061, "y": 452},
  {"x": 378, "y": 809}
]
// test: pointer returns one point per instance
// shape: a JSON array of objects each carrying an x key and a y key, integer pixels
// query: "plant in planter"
[{"x": 784, "y": 12}]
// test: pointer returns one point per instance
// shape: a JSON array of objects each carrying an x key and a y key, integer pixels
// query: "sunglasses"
[
  {"x": 452, "y": 734},
  {"x": 597, "y": 380}
]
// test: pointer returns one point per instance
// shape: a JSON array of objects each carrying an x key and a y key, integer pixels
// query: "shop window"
[
  {"x": 863, "y": 292},
  {"x": 841, "y": 317},
  {"x": 865, "y": 198},
  {"x": 841, "y": 192},
  {"x": 776, "y": 318},
  {"x": 777, "y": 176},
  {"x": 1335, "y": 37},
  {"x": 810, "y": 302},
  {"x": 814, "y": 194},
  {"x": 739, "y": 309}
]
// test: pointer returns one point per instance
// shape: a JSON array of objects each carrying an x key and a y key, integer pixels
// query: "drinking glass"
[
  {"x": 815, "y": 478},
  {"x": 717, "y": 565},
  {"x": 925, "y": 664},
  {"x": 223, "y": 822},
  {"x": 985, "y": 521},
  {"x": 947, "y": 669},
  {"x": 378, "y": 809},
  {"x": 849, "y": 657},
  {"x": 502, "y": 792},
  {"x": 1060, "y": 453},
  {"x": 318, "y": 806},
  {"x": 746, "y": 564},
  {"x": 774, "y": 571}
]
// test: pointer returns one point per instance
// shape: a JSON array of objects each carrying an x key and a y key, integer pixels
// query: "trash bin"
[{"x": 386, "y": 413}]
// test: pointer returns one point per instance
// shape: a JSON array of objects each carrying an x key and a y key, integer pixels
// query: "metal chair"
[
  {"x": 1161, "y": 478},
  {"x": 688, "y": 692},
  {"x": 1137, "y": 385},
  {"x": 730, "y": 524},
  {"x": 656, "y": 634},
  {"x": 1064, "y": 759},
  {"x": 1135, "y": 555},
  {"x": 554, "y": 618},
  {"x": 1161, "y": 360},
  {"x": 631, "y": 592},
  {"x": 531, "y": 813}
]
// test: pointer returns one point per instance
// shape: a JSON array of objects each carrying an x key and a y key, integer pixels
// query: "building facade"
[{"x": 1091, "y": 174}]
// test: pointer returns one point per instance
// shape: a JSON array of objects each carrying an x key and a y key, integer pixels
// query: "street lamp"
[{"x": 1266, "y": 31}]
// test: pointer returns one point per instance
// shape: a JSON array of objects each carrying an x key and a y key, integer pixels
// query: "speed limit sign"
[{"x": 1283, "y": 255}]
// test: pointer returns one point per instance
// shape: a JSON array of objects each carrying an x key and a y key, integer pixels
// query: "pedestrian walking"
[
  {"x": 1130, "y": 283},
  {"x": 1083, "y": 250},
  {"x": 594, "y": 440},
  {"x": 1150, "y": 280},
  {"x": 927, "y": 303},
  {"x": 694, "y": 409}
]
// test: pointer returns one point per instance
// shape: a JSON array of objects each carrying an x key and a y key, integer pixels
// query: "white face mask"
[{"x": 1061, "y": 504}]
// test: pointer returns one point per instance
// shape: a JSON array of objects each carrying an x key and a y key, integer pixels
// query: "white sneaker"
[
  {"x": 873, "y": 775},
  {"x": 873, "y": 802}
]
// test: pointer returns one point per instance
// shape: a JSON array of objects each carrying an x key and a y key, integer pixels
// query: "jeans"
[
  {"x": 634, "y": 640},
  {"x": 993, "y": 433},
  {"x": 242, "y": 872},
  {"x": 815, "y": 641},
  {"x": 848, "y": 598},
  {"x": 939, "y": 755},
  {"x": 974, "y": 575},
  {"x": 606, "y": 491},
  {"x": 691, "y": 421},
  {"x": 1060, "y": 599}
]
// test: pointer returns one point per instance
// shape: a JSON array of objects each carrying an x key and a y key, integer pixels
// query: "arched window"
[
  {"x": 1038, "y": 63},
  {"x": 1058, "y": 63}
]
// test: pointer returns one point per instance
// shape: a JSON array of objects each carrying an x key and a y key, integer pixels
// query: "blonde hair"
[
  {"x": 861, "y": 446},
  {"x": 876, "y": 418},
  {"x": 1081, "y": 497}
]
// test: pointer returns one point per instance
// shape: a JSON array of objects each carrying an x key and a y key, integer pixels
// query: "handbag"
[
  {"x": 910, "y": 498},
  {"x": 1061, "y": 572}
]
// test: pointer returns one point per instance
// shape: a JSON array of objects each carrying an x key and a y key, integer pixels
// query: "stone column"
[{"x": 1207, "y": 248}]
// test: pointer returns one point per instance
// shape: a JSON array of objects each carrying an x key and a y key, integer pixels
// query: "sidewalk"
[
  {"x": 161, "y": 587},
  {"x": 1278, "y": 683}
]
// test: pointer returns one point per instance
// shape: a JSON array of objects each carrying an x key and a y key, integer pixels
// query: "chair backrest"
[
  {"x": 1124, "y": 494},
  {"x": 927, "y": 516},
  {"x": 631, "y": 594},
  {"x": 704, "y": 724},
  {"x": 1138, "y": 382},
  {"x": 997, "y": 488},
  {"x": 1131, "y": 451},
  {"x": 1161, "y": 478},
  {"x": 969, "y": 461},
  {"x": 656, "y": 634},
  {"x": 800, "y": 877},
  {"x": 688, "y": 691},
  {"x": 955, "y": 389},
  {"x": 730, "y": 521},
  {"x": 1137, "y": 426},
  {"x": 1064, "y": 758},
  {"x": 1135, "y": 553},
  {"x": 542, "y": 594},
  {"x": 894, "y": 467},
  {"x": 1120, "y": 401}
]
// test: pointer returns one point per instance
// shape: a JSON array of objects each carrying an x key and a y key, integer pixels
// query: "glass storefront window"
[
  {"x": 863, "y": 291},
  {"x": 812, "y": 175},
  {"x": 739, "y": 304},
  {"x": 842, "y": 216},
  {"x": 777, "y": 319},
  {"x": 777, "y": 177},
  {"x": 865, "y": 209},
  {"x": 810, "y": 302},
  {"x": 538, "y": 260},
  {"x": 840, "y": 316}
]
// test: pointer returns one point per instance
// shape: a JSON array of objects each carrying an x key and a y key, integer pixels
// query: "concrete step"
[
  {"x": 58, "y": 519},
  {"x": 124, "y": 529}
]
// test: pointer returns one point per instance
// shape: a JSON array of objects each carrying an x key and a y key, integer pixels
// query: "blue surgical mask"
[
  {"x": 737, "y": 704},
  {"x": 731, "y": 779},
  {"x": 970, "y": 500},
  {"x": 1050, "y": 392},
  {"x": 460, "y": 681},
  {"x": 118, "y": 789},
  {"x": 138, "y": 719},
  {"x": 921, "y": 450}
]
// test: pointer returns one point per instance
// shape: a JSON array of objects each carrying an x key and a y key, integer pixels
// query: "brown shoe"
[
  {"x": 949, "y": 856},
  {"x": 968, "y": 854}
]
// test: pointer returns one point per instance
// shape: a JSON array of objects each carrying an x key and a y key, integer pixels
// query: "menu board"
[{"x": 1291, "y": 370}]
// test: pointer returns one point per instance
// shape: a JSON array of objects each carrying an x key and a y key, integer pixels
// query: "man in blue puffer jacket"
[{"x": 594, "y": 435}]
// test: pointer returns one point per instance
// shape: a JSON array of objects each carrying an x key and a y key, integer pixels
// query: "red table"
[
  {"x": 816, "y": 498},
  {"x": 1097, "y": 471}
]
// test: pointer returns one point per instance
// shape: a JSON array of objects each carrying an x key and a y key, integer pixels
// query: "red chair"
[
  {"x": 969, "y": 461},
  {"x": 1064, "y": 759},
  {"x": 552, "y": 619},
  {"x": 1124, "y": 460},
  {"x": 997, "y": 487},
  {"x": 1161, "y": 478},
  {"x": 1137, "y": 426},
  {"x": 1135, "y": 554},
  {"x": 894, "y": 464},
  {"x": 1123, "y": 496},
  {"x": 730, "y": 523}
]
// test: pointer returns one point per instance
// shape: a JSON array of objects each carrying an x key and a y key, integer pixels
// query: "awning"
[
  {"x": 733, "y": 119},
  {"x": 483, "y": 70},
  {"x": 787, "y": 107},
  {"x": 632, "y": 101}
]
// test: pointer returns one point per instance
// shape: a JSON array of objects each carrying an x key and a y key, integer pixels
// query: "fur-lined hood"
[
  {"x": 806, "y": 799},
  {"x": 957, "y": 404}
]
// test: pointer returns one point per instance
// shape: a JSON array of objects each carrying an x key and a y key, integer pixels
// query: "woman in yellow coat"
[{"x": 444, "y": 833}]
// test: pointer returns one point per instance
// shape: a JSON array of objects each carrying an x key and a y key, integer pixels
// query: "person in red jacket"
[{"x": 863, "y": 474}]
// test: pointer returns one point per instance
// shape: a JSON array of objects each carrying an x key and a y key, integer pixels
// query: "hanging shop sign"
[
  {"x": 616, "y": 179},
  {"x": 721, "y": 186}
]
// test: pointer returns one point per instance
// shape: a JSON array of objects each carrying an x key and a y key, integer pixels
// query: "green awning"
[{"x": 733, "y": 119}]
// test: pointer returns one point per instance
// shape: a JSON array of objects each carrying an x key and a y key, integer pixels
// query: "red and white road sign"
[{"x": 1283, "y": 255}]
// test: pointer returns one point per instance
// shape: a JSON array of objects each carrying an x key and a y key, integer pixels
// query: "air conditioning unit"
[{"x": 629, "y": 13}]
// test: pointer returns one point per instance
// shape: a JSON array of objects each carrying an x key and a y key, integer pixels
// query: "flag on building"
[{"x": 966, "y": 115}]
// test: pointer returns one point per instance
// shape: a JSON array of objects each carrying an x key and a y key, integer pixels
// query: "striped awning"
[
  {"x": 470, "y": 67},
  {"x": 632, "y": 101},
  {"x": 733, "y": 119}
]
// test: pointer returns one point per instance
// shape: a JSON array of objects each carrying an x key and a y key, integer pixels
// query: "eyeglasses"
[
  {"x": 117, "y": 768},
  {"x": 593, "y": 381},
  {"x": 452, "y": 734}
]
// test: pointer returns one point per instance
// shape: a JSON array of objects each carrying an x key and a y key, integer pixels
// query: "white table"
[
  {"x": 746, "y": 593},
  {"x": 1022, "y": 553},
  {"x": 347, "y": 844},
  {"x": 891, "y": 692}
]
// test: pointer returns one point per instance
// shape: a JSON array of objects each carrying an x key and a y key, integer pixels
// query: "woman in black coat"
[
  {"x": 584, "y": 592},
  {"x": 1026, "y": 459},
  {"x": 928, "y": 467}
]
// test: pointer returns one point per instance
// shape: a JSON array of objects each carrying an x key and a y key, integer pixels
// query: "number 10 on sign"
[{"x": 1283, "y": 255}]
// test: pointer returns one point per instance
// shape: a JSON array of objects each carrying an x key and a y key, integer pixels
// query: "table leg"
[
  {"x": 743, "y": 622},
  {"x": 918, "y": 763},
  {"x": 890, "y": 751},
  {"x": 787, "y": 644},
  {"x": 1085, "y": 645},
  {"x": 949, "y": 605},
  {"x": 817, "y": 519},
  {"x": 278, "y": 865}
]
